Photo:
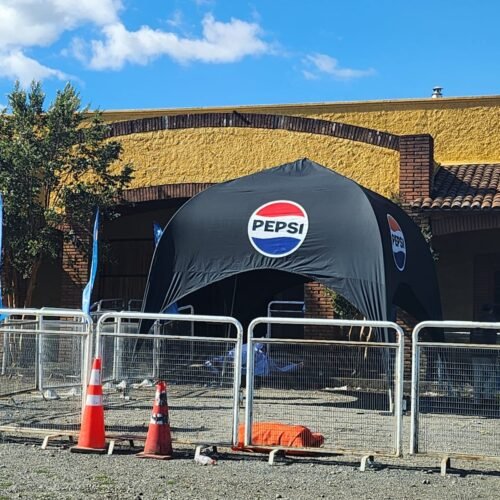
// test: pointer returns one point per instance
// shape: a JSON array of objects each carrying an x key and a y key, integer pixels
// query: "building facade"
[{"x": 439, "y": 157}]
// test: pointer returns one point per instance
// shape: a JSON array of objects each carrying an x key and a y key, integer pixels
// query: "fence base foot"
[
  {"x": 46, "y": 439},
  {"x": 275, "y": 454},
  {"x": 445, "y": 465},
  {"x": 112, "y": 442},
  {"x": 367, "y": 460}
]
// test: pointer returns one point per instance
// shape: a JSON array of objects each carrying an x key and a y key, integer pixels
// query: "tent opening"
[{"x": 248, "y": 295}]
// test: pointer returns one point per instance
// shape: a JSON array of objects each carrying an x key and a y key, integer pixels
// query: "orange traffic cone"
[
  {"x": 159, "y": 441},
  {"x": 92, "y": 438}
]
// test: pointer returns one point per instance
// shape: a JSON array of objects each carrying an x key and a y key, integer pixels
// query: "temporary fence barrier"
[
  {"x": 114, "y": 371},
  {"x": 104, "y": 305},
  {"x": 44, "y": 369},
  {"x": 283, "y": 309},
  {"x": 320, "y": 384},
  {"x": 455, "y": 394},
  {"x": 203, "y": 377},
  {"x": 177, "y": 328},
  {"x": 12, "y": 352}
]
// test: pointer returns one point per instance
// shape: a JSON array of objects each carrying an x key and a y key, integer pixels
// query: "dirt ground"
[{"x": 26, "y": 471}]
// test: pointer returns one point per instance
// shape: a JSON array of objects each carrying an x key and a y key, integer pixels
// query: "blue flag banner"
[
  {"x": 87, "y": 291},
  {"x": 158, "y": 231},
  {"x": 1, "y": 264}
]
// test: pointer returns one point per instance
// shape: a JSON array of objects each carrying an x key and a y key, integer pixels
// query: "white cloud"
[
  {"x": 176, "y": 19},
  {"x": 308, "y": 75},
  {"x": 220, "y": 43},
  {"x": 35, "y": 23},
  {"x": 324, "y": 64},
  {"x": 16, "y": 66},
  {"x": 28, "y": 23}
]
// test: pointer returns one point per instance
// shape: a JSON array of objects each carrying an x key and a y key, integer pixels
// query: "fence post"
[
  {"x": 156, "y": 347},
  {"x": 399, "y": 368},
  {"x": 237, "y": 381},
  {"x": 415, "y": 374},
  {"x": 249, "y": 380},
  {"x": 5, "y": 346},
  {"x": 86, "y": 360},
  {"x": 39, "y": 356}
]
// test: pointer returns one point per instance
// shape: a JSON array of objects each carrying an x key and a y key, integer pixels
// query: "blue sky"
[{"x": 131, "y": 54}]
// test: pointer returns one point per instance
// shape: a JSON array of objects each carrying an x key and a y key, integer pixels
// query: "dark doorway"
[{"x": 128, "y": 246}]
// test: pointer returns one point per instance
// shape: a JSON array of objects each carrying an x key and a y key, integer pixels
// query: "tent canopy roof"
[{"x": 304, "y": 219}]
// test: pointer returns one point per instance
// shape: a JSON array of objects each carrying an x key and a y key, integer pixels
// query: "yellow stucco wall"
[
  {"x": 214, "y": 155},
  {"x": 465, "y": 130}
]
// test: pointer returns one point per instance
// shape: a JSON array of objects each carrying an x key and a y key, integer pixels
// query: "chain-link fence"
[
  {"x": 347, "y": 392},
  {"x": 455, "y": 391},
  {"x": 44, "y": 369},
  {"x": 202, "y": 374}
]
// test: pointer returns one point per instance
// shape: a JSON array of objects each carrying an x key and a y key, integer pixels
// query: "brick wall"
[
  {"x": 319, "y": 304},
  {"x": 407, "y": 323},
  {"x": 75, "y": 266},
  {"x": 75, "y": 263},
  {"x": 416, "y": 162},
  {"x": 415, "y": 181}
]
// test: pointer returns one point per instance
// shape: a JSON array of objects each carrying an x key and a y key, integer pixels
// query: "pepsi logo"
[
  {"x": 278, "y": 228},
  {"x": 398, "y": 242}
]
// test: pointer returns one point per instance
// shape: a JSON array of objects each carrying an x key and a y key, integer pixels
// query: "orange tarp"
[{"x": 274, "y": 434}]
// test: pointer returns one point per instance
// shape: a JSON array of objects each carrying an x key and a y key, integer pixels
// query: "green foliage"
[
  {"x": 342, "y": 308},
  {"x": 55, "y": 168}
]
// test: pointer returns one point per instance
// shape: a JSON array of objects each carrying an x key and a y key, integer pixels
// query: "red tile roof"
[{"x": 464, "y": 187}]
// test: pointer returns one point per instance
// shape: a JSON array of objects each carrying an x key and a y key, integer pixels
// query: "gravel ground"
[
  {"x": 27, "y": 471},
  {"x": 361, "y": 421}
]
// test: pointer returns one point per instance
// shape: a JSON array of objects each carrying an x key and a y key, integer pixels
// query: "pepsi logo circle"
[
  {"x": 398, "y": 243},
  {"x": 278, "y": 228}
]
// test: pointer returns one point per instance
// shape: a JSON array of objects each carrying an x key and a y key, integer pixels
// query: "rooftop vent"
[{"x": 437, "y": 92}]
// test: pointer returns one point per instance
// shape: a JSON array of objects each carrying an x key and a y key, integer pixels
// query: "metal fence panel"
[
  {"x": 455, "y": 394},
  {"x": 19, "y": 355},
  {"x": 202, "y": 374},
  {"x": 44, "y": 369},
  {"x": 350, "y": 392}
]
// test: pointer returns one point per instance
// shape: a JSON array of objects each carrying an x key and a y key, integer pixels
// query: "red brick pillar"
[
  {"x": 415, "y": 182},
  {"x": 416, "y": 166},
  {"x": 75, "y": 275},
  {"x": 319, "y": 304},
  {"x": 318, "y": 301},
  {"x": 407, "y": 323}
]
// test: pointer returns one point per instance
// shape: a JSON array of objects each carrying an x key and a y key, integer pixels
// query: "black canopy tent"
[{"x": 301, "y": 220}]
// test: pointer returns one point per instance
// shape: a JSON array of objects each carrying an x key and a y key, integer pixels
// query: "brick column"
[
  {"x": 318, "y": 303},
  {"x": 416, "y": 170},
  {"x": 407, "y": 323},
  {"x": 75, "y": 266},
  {"x": 416, "y": 166}
]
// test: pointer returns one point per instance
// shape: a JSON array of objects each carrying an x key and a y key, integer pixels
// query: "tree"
[{"x": 56, "y": 167}]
